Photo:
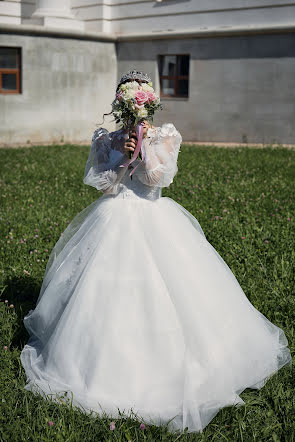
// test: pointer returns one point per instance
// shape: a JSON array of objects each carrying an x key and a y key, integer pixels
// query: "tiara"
[{"x": 135, "y": 75}]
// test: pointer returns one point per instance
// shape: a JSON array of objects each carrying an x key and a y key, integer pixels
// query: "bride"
[{"x": 137, "y": 310}]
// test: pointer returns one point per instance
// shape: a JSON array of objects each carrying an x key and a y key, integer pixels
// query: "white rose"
[
  {"x": 132, "y": 85},
  {"x": 147, "y": 88},
  {"x": 142, "y": 113},
  {"x": 128, "y": 95}
]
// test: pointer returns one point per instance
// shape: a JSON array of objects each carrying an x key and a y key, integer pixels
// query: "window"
[
  {"x": 174, "y": 75},
  {"x": 10, "y": 70}
]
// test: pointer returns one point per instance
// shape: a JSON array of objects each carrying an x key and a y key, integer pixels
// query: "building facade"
[{"x": 225, "y": 69}]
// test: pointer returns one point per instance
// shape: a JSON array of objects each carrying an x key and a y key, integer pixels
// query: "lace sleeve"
[
  {"x": 161, "y": 148},
  {"x": 102, "y": 169}
]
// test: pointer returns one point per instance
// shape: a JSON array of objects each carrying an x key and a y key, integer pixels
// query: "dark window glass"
[
  {"x": 9, "y": 81},
  {"x": 169, "y": 65},
  {"x": 182, "y": 87},
  {"x": 168, "y": 86},
  {"x": 183, "y": 64},
  {"x": 8, "y": 58}
]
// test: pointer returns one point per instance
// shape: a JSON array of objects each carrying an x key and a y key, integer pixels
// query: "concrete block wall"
[
  {"x": 67, "y": 84},
  {"x": 241, "y": 88}
]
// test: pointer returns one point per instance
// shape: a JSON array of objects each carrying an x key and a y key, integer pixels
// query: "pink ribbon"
[{"x": 139, "y": 134}]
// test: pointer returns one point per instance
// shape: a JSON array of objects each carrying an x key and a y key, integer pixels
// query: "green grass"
[{"x": 244, "y": 201}]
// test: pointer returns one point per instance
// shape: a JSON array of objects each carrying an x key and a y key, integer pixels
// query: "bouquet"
[{"x": 134, "y": 103}]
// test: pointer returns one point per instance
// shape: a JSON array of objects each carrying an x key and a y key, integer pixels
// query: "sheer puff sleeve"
[
  {"x": 102, "y": 169},
  {"x": 161, "y": 148}
]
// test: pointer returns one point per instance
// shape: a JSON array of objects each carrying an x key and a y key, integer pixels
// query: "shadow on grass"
[{"x": 23, "y": 292}]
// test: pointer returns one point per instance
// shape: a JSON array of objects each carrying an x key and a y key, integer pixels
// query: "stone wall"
[
  {"x": 241, "y": 88},
  {"x": 67, "y": 84}
]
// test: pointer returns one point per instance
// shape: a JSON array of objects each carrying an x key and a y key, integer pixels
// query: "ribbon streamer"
[{"x": 139, "y": 134}]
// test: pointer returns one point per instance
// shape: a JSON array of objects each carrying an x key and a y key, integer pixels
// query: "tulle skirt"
[{"x": 138, "y": 311}]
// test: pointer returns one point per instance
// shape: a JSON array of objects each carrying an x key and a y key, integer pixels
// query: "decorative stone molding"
[{"x": 102, "y": 36}]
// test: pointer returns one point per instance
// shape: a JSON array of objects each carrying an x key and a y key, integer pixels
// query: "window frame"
[
  {"x": 174, "y": 77},
  {"x": 16, "y": 71}
]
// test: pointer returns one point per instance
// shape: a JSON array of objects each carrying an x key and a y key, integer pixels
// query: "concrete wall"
[
  {"x": 241, "y": 87},
  {"x": 67, "y": 84}
]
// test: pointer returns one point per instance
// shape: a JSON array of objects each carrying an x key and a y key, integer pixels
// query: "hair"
[{"x": 118, "y": 86}]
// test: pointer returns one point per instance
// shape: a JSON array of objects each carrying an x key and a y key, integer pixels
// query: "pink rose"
[
  {"x": 151, "y": 96},
  {"x": 141, "y": 97}
]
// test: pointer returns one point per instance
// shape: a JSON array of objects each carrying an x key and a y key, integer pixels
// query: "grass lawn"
[{"x": 244, "y": 200}]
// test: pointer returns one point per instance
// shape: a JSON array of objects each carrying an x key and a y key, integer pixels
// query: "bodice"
[
  {"x": 106, "y": 170},
  {"x": 135, "y": 189},
  {"x": 132, "y": 187}
]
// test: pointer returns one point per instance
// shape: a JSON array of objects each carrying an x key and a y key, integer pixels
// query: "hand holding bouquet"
[
  {"x": 131, "y": 141},
  {"x": 133, "y": 104}
]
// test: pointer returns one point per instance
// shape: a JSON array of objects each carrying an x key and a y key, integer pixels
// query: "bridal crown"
[{"x": 135, "y": 75}]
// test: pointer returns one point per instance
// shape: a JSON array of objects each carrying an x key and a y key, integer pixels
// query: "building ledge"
[
  {"x": 159, "y": 35},
  {"x": 40, "y": 30},
  {"x": 210, "y": 32}
]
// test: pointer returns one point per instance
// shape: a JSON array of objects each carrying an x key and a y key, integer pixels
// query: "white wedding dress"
[{"x": 137, "y": 310}]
